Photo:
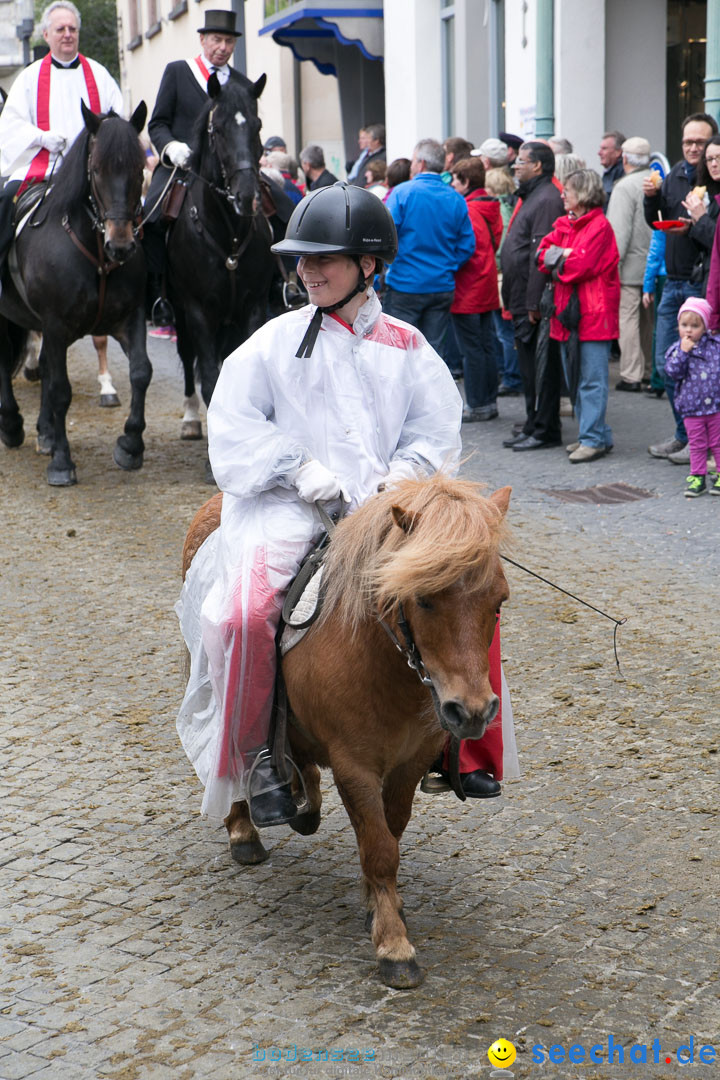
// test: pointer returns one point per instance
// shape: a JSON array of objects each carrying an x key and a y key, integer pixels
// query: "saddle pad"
[{"x": 302, "y": 613}]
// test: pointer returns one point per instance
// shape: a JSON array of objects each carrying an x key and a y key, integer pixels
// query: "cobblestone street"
[{"x": 581, "y": 905}]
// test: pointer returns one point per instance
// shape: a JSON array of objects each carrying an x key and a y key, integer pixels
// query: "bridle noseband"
[{"x": 97, "y": 212}]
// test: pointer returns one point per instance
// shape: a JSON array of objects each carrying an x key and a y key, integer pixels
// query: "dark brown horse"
[
  {"x": 81, "y": 271},
  {"x": 426, "y": 554}
]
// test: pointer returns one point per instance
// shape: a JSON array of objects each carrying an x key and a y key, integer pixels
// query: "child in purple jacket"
[{"x": 693, "y": 363}]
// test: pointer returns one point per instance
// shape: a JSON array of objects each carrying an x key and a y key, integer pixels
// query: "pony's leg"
[
  {"x": 11, "y": 421},
  {"x": 61, "y": 470},
  {"x": 202, "y": 334},
  {"x": 31, "y": 359},
  {"x": 362, "y": 796},
  {"x": 44, "y": 426},
  {"x": 129, "y": 448},
  {"x": 245, "y": 845},
  {"x": 191, "y": 425},
  {"x": 108, "y": 394},
  {"x": 308, "y": 822}
]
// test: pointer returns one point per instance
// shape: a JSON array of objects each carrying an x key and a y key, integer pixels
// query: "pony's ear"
[
  {"x": 139, "y": 117},
  {"x": 259, "y": 86},
  {"x": 501, "y": 499},
  {"x": 404, "y": 519},
  {"x": 92, "y": 120},
  {"x": 214, "y": 86}
]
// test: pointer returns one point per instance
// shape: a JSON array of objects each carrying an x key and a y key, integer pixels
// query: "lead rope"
[{"x": 618, "y": 622}]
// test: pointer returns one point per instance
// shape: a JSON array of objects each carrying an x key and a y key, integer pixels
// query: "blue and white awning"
[{"x": 313, "y": 29}]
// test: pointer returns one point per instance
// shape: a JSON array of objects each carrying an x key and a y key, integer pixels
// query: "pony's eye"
[{"x": 424, "y": 603}]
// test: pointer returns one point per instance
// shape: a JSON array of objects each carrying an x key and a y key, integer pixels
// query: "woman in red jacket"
[
  {"x": 476, "y": 293},
  {"x": 580, "y": 252}
]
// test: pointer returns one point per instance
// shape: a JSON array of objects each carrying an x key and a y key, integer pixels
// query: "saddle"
[{"x": 29, "y": 201}]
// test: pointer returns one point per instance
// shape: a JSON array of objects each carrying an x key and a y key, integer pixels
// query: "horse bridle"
[
  {"x": 99, "y": 215},
  {"x": 243, "y": 165}
]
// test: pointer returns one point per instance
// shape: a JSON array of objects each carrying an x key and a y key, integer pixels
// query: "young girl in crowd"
[{"x": 693, "y": 363}]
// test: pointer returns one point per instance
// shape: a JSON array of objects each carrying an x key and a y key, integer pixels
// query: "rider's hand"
[
  {"x": 316, "y": 483},
  {"x": 399, "y": 470},
  {"x": 178, "y": 153},
  {"x": 53, "y": 141}
]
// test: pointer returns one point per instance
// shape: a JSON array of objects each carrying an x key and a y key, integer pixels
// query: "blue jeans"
[
  {"x": 429, "y": 312},
  {"x": 674, "y": 295},
  {"x": 592, "y": 395},
  {"x": 478, "y": 343},
  {"x": 508, "y": 370}
]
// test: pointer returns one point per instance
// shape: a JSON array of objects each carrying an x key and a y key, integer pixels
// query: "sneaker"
[
  {"x": 695, "y": 486},
  {"x": 161, "y": 332},
  {"x": 572, "y": 447},
  {"x": 587, "y": 453},
  {"x": 680, "y": 457},
  {"x": 714, "y": 484},
  {"x": 480, "y": 412},
  {"x": 665, "y": 449}
]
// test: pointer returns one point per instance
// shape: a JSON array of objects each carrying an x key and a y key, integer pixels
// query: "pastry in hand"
[{"x": 699, "y": 191}]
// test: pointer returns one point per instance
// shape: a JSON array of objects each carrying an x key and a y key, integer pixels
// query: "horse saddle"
[
  {"x": 28, "y": 202},
  {"x": 304, "y": 599}
]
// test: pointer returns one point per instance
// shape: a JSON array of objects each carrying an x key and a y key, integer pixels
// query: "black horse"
[
  {"x": 219, "y": 262},
  {"x": 80, "y": 270}
]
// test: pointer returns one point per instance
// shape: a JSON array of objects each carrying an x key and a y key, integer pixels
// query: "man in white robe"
[{"x": 42, "y": 115}]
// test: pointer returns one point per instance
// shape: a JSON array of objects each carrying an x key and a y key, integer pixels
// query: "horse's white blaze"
[
  {"x": 239, "y": 119},
  {"x": 192, "y": 408}
]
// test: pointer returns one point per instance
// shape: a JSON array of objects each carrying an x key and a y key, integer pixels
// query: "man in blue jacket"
[{"x": 435, "y": 238}]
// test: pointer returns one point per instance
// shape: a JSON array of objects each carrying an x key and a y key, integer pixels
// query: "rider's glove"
[
  {"x": 316, "y": 483},
  {"x": 399, "y": 470},
  {"x": 178, "y": 153},
  {"x": 53, "y": 141}
]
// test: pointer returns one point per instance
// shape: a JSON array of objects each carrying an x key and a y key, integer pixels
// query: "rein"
[{"x": 102, "y": 265}]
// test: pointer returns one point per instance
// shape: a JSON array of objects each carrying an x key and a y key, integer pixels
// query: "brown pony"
[{"x": 426, "y": 553}]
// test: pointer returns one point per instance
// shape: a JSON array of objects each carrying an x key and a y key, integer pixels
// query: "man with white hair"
[
  {"x": 42, "y": 115},
  {"x": 625, "y": 213}
]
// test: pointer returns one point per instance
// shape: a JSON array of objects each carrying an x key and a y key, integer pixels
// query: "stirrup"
[
  {"x": 160, "y": 304},
  {"x": 264, "y": 756},
  {"x": 434, "y": 783}
]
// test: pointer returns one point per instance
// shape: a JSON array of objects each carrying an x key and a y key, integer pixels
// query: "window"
[{"x": 447, "y": 17}]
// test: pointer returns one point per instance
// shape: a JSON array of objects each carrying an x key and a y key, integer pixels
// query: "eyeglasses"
[
  {"x": 694, "y": 142},
  {"x": 712, "y": 158},
  {"x": 518, "y": 163}
]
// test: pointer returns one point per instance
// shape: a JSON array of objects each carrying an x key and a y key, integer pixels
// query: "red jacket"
[
  {"x": 476, "y": 283},
  {"x": 592, "y": 265}
]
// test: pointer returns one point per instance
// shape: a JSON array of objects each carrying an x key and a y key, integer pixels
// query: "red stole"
[
  {"x": 201, "y": 64},
  {"x": 39, "y": 164}
]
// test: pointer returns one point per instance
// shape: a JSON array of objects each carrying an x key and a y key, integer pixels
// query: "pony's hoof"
[
  {"x": 126, "y": 461},
  {"x": 191, "y": 429},
  {"x": 400, "y": 974},
  {"x": 61, "y": 477},
  {"x": 12, "y": 439},
  {"x": 43, "y": 444},
  {"x": 31, "y": 374},
  {"x": 249, "y": 852},
  {"x": 306, "y": 824},
  {"x": 109, "y": 401},
  {"x": 209, "y": 478}
]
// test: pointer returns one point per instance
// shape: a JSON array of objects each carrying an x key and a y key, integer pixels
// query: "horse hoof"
[
  {"x": 61, "y": 477},
  {"x": 209, "y": 478},
  {"x": 126, "y": 461},
  {"x": 31, "y": 374},
  {"x": 109, "y": 401},
  {"x": 306, "y": 824},
  {"x": 191, "y": 429},
  {"x": 12, "y": 439},
  {"x": 400, "y": 974},
  {"x": 43, "y": 444},
  {"x": 249, "y": 852}
]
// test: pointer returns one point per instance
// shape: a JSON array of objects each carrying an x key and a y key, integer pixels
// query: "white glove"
[
  {"x": 178, "y": 153},
  {"x": 53, "y": 141},
  {"x": 316, "y": 483},
  {"x": 399, "y": 470}
]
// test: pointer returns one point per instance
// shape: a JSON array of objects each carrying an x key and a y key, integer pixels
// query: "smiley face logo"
[{"x": 502, "y": 1054}]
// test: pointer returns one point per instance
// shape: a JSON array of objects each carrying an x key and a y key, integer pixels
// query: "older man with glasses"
[{"x": 684, "y": 247}]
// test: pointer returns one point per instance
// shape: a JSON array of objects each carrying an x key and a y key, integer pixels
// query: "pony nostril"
[
  {"x": 454, "y": 713},
  {"x": 491, "y": 709}
]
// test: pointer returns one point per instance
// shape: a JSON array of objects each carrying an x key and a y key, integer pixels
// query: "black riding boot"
[{"x": 275, "y": 805}]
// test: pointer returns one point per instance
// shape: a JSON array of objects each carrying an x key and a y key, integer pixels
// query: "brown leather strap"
[{"x": 102, "y": 266}]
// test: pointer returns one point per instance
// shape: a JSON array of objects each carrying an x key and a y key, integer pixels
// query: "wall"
[
  {"x": 520, "y": 89},
  {"x": 635, "y": 69},
  {"x": 413, "y": 74},
  {"x": 580, "y": 75}
]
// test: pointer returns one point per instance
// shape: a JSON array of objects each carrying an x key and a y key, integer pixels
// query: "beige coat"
[{"x": 632, "y": 233}]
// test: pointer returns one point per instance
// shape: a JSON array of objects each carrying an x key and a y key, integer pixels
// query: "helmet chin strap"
[{"x": 308, "y": 342}]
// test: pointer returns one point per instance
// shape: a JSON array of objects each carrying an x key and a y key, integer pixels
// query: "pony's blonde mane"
[{"x": 372, "y": 562}]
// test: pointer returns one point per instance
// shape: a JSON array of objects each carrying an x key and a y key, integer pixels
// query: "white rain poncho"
[{"x": 365, "y": 398}]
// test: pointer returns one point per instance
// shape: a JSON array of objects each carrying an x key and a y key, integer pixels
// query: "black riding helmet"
[{"x": 338, "y": 220}]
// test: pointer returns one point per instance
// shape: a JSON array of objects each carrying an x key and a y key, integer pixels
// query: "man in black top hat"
[{"x": 180, "y": 100}]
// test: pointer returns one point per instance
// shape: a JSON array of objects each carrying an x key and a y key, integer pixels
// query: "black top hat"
[{"x": 219, "y": 22}]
